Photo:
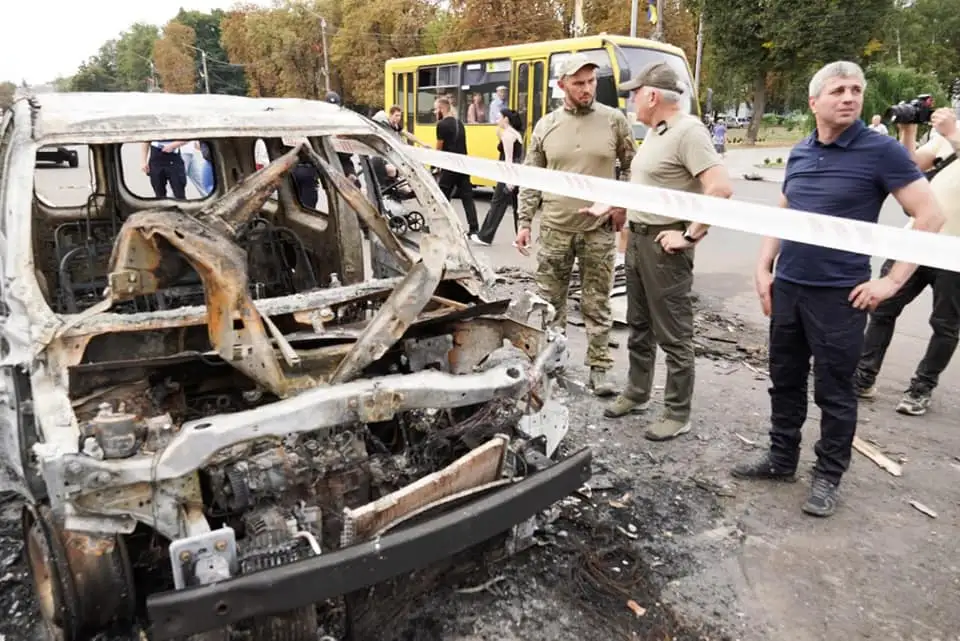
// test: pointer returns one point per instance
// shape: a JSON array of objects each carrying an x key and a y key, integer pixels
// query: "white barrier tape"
[{"x": 923, "y": 248}]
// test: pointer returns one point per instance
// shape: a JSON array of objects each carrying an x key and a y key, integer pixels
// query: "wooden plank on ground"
[{"x": 877, "y": 456}]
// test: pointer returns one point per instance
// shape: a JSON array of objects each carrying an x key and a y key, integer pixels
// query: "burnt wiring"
[{"x": 606, "y": 571}]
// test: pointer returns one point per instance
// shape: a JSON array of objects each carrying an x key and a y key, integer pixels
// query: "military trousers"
[
  {"x": 595, "y": 252},
  {"x": 660, "y": 312}
]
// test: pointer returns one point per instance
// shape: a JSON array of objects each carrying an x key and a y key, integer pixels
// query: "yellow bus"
[{"x": 527, "y": 74}]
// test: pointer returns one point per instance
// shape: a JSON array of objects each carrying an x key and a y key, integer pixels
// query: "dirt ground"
[{"x": 664, "y": 545}]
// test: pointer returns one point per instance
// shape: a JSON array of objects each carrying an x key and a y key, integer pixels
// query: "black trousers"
[
  {"x": 818, "y": 323},
  {"x": 502, "y": 198},
  {"x": 451, "y": 182},
  {"x": 167, "y": 168},
  {"x": 944, "y": 320}
]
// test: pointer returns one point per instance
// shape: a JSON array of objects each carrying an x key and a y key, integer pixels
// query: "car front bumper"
[{"x": 276, "y": 590}]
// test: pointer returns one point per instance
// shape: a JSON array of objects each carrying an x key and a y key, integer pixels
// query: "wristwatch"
[{"x": 687, "y": 236}]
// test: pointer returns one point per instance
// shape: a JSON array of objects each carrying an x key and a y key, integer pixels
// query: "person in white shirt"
[{"x": 878, "y": 126}]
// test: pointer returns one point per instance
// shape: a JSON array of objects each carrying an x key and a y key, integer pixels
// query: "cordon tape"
[{"x": 909, "y": 245}]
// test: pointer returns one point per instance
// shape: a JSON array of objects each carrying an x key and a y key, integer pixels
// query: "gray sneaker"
[
  {"x": 914, "y": 403},
  {"x": 823, "y": 497}
]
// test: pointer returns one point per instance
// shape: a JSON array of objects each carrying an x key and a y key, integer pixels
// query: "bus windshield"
[
  {"x": 606, "y": 84},
  {"x": 638, "y": 58}
]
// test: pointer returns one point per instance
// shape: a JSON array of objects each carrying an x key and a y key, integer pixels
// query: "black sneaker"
[
  {"x": 823, "y": 497},
  {"x": 764, "y": 469}
]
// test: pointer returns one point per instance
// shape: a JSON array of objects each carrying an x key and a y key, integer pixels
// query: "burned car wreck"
[{"x": 223, "y": 413}]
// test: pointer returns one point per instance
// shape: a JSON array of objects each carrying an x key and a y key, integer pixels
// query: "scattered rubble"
[{"x": 717, "y": 337}]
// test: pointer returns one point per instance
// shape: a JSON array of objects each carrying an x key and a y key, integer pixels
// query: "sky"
[{"x": 43, "y": 39}]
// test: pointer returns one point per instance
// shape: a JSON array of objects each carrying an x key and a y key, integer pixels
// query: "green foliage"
[
  {"x": 771, "y": 120},
  {"x": 888, "y": 85},
  {"x": 134, "y": 52},
  {"x": 762, "y": 39},
  {"x": 99, "y": 73},
  {"x": 225, "y": 78},
  {"x": 923, "y": 36}
]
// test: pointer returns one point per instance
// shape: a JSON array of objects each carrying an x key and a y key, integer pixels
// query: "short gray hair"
[
  {"x": 838, "y": 69},
  {"x": 670, "y": 96}
]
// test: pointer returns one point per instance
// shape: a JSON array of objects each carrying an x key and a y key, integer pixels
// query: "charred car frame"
[{"x": 222, "y": 412}]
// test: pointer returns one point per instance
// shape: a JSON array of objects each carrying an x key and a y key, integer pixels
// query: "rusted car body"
[{"x": 218, "y": 414}]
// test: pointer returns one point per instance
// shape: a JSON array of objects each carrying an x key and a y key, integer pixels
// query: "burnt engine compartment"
[{"x": 278, "y": 494}]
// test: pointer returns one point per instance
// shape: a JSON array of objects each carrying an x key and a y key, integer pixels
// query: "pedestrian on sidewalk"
[
  {"x": 510, "y": 148},
  {"x": 818, "y": 296},
  {"x": 937, "y": 158},
  {"x": 719, "y": 134},
  {"x": 676, "y": 154},
  {"x": 452, "y": 138},
  {"x": 584, "y": 137}
]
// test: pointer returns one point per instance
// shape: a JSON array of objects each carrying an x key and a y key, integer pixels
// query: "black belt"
[{"x": 649, "y": 230}]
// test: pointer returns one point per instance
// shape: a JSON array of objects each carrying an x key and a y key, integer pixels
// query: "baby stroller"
[{"x": 393, "y": 192}]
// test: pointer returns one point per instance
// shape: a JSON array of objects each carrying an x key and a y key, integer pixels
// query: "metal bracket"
[{"x": 205, "y": 558}]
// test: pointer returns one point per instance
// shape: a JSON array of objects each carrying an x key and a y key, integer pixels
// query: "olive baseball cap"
[
  {"x": 658, "y": 75},
  {"x": 575, "y": 63}
]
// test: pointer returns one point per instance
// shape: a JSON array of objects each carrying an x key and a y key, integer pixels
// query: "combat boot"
[
  {"x": 599, "y": 384},
  {"x": 624, "y": 405}
]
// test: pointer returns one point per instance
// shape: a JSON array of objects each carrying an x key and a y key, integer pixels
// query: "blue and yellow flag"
[{"x": 652, "y": 11}]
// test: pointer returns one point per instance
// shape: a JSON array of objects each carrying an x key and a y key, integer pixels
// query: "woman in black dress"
[{"x": 509, "y": 129}]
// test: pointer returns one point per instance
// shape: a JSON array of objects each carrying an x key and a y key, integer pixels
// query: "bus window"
[
  {"x": 537, "y": 93},
  {"x": 486, "y": 87},
  {"x": 398, "y": 88},
  {"x": 411, "y": 106},
  {"x": 523, "y": 92},
  {"x": 433, "y": 82},
  {"x": 638, "y": 58},
  {"x": 606, "y": 84}
]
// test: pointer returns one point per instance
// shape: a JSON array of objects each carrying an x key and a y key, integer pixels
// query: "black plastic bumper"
[{"x": 194, "y": 610}]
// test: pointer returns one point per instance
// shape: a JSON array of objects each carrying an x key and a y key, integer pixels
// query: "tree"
[
  {"x": 8, "y": 91},
  {"x": 281, "y": 47},
  {"x": 99, "y": 72},
  {"x": 922, "y": 35},
  {"x": 370, "y": 33},
  {"x": 134, "y": 52},
  {"x": 760, "y": 38},
  {"x": 225, "y": 78},
  {"x": 481, "y": 23},
  {"x": 175, "y": 58},
  {"x": 888, "y": 85}
]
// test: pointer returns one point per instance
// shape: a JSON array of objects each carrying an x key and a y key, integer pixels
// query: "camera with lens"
[{"x": 915, "y": 112}]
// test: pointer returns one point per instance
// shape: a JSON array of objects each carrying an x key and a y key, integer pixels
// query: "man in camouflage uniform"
[{"x": 584, "y": 137}]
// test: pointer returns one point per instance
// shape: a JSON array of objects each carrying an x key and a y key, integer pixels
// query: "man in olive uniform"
[
  {"x": 677, "y": 153},
  {"x": 584, "y": 137}
]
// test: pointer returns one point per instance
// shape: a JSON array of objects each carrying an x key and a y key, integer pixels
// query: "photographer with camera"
[{"x": 936, "y": 159}]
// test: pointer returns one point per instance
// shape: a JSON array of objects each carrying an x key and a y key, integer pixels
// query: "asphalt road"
[{"x": 724, "y": 262}]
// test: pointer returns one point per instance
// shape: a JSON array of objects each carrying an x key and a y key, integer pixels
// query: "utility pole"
[
  {"x": 154, "y": 83},
  {"x": 206, "y": 76},
  {"x": 658, "y": 32},
  {"x": 326, "y": 57},
  {"x": 578, "y": 18},
  {"x": 696, "y": 73},
  {"x": 634, "y": 10}
]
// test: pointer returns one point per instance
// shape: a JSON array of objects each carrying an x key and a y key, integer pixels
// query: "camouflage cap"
[
  {"x": 658, "y": 75},
  {"x": 573, "y": 64}
]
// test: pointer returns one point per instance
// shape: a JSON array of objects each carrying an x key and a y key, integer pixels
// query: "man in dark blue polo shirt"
[{"x": 818, "y": 297}]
